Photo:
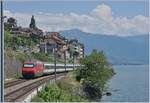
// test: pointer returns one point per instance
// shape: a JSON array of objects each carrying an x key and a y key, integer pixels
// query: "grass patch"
[
  {"x": 69, "y": 83},
  {"x": 65, "y": 90},
  {"x": 37, "y": 99},
  {"x": 22, "y": 57},
  {"x": 9, "y": 53},
  {"x": 43, "y": 57}
]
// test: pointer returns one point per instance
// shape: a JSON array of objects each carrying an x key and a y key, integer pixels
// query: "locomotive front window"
[{"x": 28, "y": 65}]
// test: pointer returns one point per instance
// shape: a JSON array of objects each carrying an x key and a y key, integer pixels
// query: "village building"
[
  {"x": 81, "y": 50},
  {"x": 76, "y": 49},
  {"x": 47, "y": 47},
  {"x": 48, "y": 40},
  {"x": 11, "y": 23},
  {"x": 55, "y": 40},
  {"x": 20, "y": 31}
]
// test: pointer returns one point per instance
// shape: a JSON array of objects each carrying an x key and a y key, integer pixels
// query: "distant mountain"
[{"x": 119, "y": 50}]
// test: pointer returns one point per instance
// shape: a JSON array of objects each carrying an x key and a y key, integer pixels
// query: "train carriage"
[{"x": 32, "y": 69}]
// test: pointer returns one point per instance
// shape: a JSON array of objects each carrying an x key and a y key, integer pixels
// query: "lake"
[{"x": 130, "y": 84}]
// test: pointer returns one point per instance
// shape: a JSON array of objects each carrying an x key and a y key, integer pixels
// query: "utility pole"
[
  {"x": 2, "y": 57},
  {"x": 73, "y": 61},
  {"x": 55, "y": 60},
  {"x": 65, "y": 59}
]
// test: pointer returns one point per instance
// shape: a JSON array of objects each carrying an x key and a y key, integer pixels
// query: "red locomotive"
[{"x": 32, "y": 69}]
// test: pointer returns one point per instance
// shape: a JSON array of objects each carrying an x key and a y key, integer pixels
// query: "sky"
[{"x": 110, "y": 17}]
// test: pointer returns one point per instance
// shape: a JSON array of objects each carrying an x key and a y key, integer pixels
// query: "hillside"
[{"x": 119, "y": 50}]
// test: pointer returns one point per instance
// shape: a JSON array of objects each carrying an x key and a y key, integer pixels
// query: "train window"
[{"x": 28, "y": 65}]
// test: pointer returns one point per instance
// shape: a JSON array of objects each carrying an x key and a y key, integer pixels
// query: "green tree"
[
  {"x": 8, "y": 39},
  {"x": 94, "y": 74},
  {"x": 43, "y": 57},
  {"x": 18, "y": 41}
]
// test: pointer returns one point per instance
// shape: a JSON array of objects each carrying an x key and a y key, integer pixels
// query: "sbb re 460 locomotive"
[{"x": 32, "y": 69}]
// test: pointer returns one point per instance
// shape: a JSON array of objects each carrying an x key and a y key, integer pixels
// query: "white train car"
[{"x": 50, "y": 68}]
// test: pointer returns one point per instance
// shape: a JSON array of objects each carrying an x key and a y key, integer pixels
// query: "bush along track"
[{"x": 85, "y": 84}]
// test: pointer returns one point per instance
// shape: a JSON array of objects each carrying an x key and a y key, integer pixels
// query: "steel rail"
[
  {"x": 13, "y": 83},
  {"x": 17, "y": 94}
]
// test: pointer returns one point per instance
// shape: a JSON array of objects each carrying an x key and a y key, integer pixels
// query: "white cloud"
[
  {"x": 103, "y": 12},
  {"x": 100, "y": 20}
]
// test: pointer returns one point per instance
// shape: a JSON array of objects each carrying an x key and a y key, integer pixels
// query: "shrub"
[
  {"x": 9, "y": 53},
  {"x": 22, "y": 57},
  {"x": 53, "y": 93}
]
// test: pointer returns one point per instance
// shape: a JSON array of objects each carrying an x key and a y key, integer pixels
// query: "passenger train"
[{"x": 32, "y": 69}]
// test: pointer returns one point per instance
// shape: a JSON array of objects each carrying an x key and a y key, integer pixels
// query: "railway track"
[
  {"x": 12, "y": 83},
  {"x": 16, "y": 95}
]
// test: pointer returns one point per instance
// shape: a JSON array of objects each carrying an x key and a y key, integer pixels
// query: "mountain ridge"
[{"x": 119, "y": 50}]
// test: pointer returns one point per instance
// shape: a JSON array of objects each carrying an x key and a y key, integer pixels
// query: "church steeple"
[{"x": 32, "y": 23}]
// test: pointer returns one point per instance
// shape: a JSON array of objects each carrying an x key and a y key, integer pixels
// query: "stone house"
[
  {"x": 52, "y": 40},
  {"x": 48, "y": 47}
]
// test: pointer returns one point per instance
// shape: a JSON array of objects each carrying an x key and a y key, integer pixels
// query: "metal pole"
[
  {"x": 73, "y": 61},
  {"x": 55, "y": 61},
  {"x": 65, "y": 59},
  {"x": 2, "y": 58}
]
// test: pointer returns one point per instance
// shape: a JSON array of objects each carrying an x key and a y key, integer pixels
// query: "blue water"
[{"x": 130, "y": 84}]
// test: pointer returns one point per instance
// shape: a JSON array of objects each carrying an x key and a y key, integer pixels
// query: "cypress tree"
[{"x": 32, "y": 23}]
